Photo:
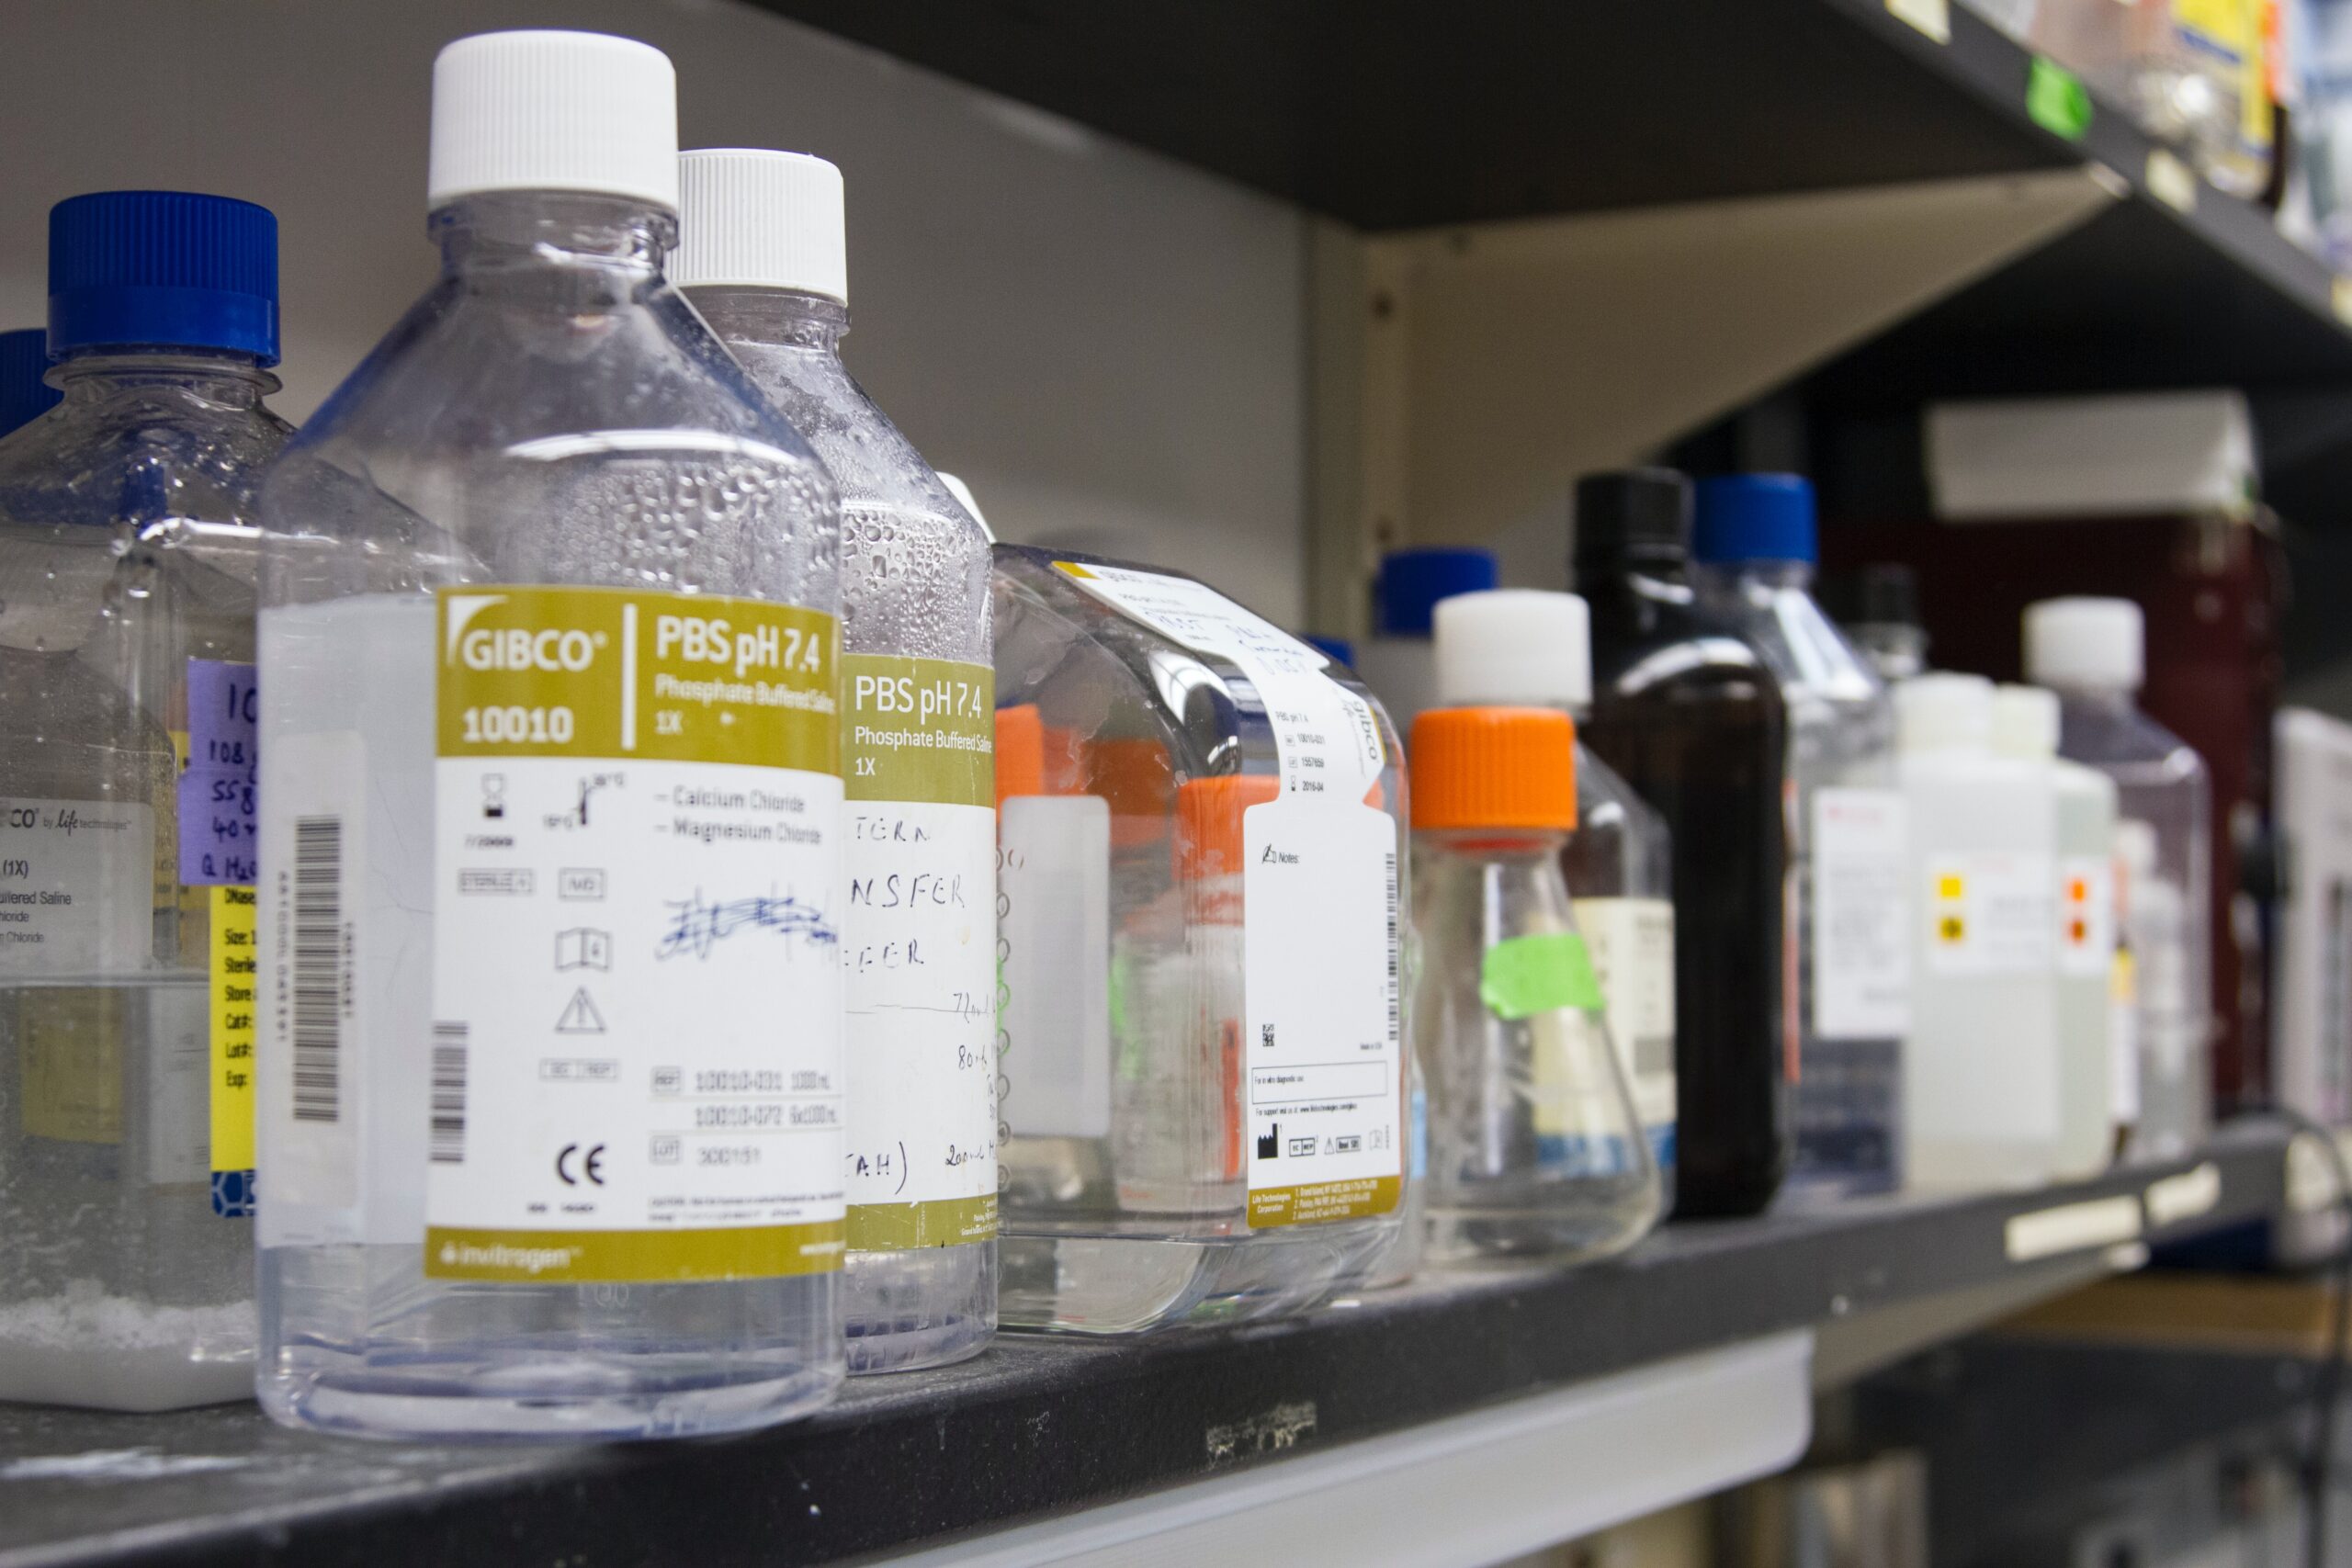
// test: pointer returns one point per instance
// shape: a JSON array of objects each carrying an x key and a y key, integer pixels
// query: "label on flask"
[
  {"x": 919, "y": 950},
  {"x": 1631, "y": 941},
  {"x": 77, "y": 888},
  {"x": 1861, "y": 952},
  {"x": 2086, "y": 917},
  {"x": 1317, "y": 1050},
  {"x": 636, "y": 1066},
  {"x": 1991, "y": 913},
  {"x": 233, "y": 998},
  {"x": 1054, "y": 884}
]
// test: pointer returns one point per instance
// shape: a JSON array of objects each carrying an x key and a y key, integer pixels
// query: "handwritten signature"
[{"x": 697, "y": 924}]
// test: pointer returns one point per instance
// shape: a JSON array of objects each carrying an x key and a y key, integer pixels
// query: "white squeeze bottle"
[
  {"x": 2092, "y": 653},
  {"x": 552, "y": 893},
  {"x": 2025, "y": 727},
  {"x": 1983, "y": 1102},
  {"x": 1515, "y": 647},
  {"x": 762, "y": 254}
]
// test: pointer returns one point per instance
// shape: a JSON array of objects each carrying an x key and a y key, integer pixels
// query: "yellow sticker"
[{"x": 232, "y": 1002}]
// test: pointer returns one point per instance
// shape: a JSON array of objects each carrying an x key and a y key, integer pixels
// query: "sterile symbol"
[
  {"x": 494, "y": 795},
  {"x": 583, "y": 947},
  {"x": 580, "y": 1016},
  {"x": 592, "y": 1165}
]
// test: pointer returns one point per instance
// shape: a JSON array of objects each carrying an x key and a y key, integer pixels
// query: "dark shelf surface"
[
  {"x": 1033, "y": 1426},
  {"x": 1388, "y": 114}
]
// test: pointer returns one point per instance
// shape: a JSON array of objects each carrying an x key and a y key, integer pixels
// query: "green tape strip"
[
  {"x": 1528, "y": 975},
  {"x": 2057, "y": 100}
]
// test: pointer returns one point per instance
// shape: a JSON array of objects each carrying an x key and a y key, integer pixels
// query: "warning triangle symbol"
[{"x": 580, "y": 1016}]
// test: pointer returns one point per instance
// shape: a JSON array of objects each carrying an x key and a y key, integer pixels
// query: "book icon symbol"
[{"x": 1270, "y": 1142}]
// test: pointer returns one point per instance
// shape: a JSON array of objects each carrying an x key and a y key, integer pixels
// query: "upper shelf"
[{"x": 1387, "y": 115}]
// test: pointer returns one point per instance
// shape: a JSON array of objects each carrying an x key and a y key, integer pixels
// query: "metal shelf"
[{"x": 1037, "y": 1428}]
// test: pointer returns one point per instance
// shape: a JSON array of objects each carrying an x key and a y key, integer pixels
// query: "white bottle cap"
[
  {"x": 1513, "y": 646},
  {"x": 554, "y": 112},
  {"x": 2098, "y": 643},
  {"x": 963, "y": 492},
  {"x": 1944, "y": 713},
  {"x": 753, "y": 218},
  {"x": 2025, "y": 723}
]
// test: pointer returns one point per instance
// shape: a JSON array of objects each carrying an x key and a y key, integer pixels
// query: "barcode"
[
  {"x": 1395, "y": 1025},
  {"x": 449, "y": 1094},
  {"x": 318, "y": 969}
]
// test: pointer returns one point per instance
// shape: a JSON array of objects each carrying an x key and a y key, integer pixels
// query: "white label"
[
  {"x": 1324, "y": 734},
  {"x": 310, "y": 1057},
  {"x": 179, "y": 1068},
  {"x": 1321, "y": 1038},
  {"x": 1990, "y": 913},
  {"x": 1861, "y": 955},
  {"x": 1056, "y": 884},
  {"x": 1631, "y": 941},
  {"x": 77, "y": 888},
  {"x": 2123, "y": 1041},
  {"x": 2086, "y": 917},
  {"x": 613, "y": 937},
  {"x": 919, "y": 946}
]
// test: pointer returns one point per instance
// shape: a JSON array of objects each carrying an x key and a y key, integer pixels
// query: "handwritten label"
[
  {"x": 218, "y": 820},
  {"x": 635, "y": 1069}
]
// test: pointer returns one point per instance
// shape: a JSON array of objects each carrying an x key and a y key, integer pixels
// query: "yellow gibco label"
[
  {"x": 635, "y": 1063},
  {"x": 611, "y": 673},
  {"x": 917, "y": 730},
  {"x": 233, "y": 1008},
  {"x": 919, "y": 950},
  {"x": 1319, "y": 1202}
]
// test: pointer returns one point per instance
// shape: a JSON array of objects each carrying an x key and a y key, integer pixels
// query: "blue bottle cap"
[
  {"x": 1743, "y": 517},
  {"x": 1338, "y": 649},
  {"x": 1412, "y": 581},
  {"x": 23, "y": 396},
  {"x": 163, "y": 269}
]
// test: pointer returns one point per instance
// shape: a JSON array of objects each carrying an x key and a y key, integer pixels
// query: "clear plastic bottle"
[
  {"x": 1848, "y": 998},
  {"x": 25, "y": 391},
  {"x": 1398, "y": 661},
  {"x": 1688, "y": 715},
  {"x": 2091, "y": 652},
  {"x": 1200, "y": 925},
  {"x": 1526, "y": 647},
  {"x": 1878, "y": 609},
  {"x": 2025, "y": 729},
  {"x": 1982, "y": 1084},
  {"x": 127, "y": 581},
  {"x": 762, "y": 254},
  {"x": 1535, "y": 1146},
  {"x": 551, "y": 809}
]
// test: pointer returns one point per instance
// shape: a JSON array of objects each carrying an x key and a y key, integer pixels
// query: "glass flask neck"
[
  {"x": 1758, "y": 574},
  {"x": 219, "y": 376},
  {"x": 2099, "y": 699},
  {"x": 1474, "y": 847},
  {"x": 599, "y": 243},
  {"x": 779, "y": 318}
]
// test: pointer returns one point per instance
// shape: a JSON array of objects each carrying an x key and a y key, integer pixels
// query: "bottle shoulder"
[{"x": 151, "y": 454}]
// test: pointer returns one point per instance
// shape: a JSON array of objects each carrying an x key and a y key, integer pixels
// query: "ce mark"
[{"x": 591, "y": 1165}]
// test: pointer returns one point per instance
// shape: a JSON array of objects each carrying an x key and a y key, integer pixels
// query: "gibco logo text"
[
  {"x": 531, "y": 1261},
  {"x": 554, "y": 648}
]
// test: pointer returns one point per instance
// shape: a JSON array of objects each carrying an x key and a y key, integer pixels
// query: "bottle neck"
[
  {"x": 2101, "y": 699},
  {"x": 585, "y": 249},
  {"x": 1775, "y": 574},
  {"x": 1527, "y": 848},
  {"x": 219, "y": 376},
  {"x": 1627, "y": 595},
  {"x": 778, "y": 317}
]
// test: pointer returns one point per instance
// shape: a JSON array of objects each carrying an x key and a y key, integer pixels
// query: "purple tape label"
[{"x": 219, "y": 831}]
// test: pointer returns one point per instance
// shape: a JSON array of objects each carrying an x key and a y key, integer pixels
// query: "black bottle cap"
[
  {"x": 1885, "y": 593},
  {"x": 1632, "y": 517}
]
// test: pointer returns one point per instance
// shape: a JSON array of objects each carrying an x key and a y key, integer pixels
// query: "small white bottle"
[
  {"x": 2025, "y": 727},
  {"x": 2092, "y": 653},
  {"x": 1983, "y": 1104},
  {"x": 762, "y": 253},
  {"x": 1525, "y": 647}
]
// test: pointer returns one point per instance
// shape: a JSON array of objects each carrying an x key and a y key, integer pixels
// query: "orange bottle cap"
[
  {"x": 1135, "y": 777},
  {"x": 1494, "y": 767},
  {"x": 1208, "y": 822},
  {"x": 1020, "y": 751}
]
